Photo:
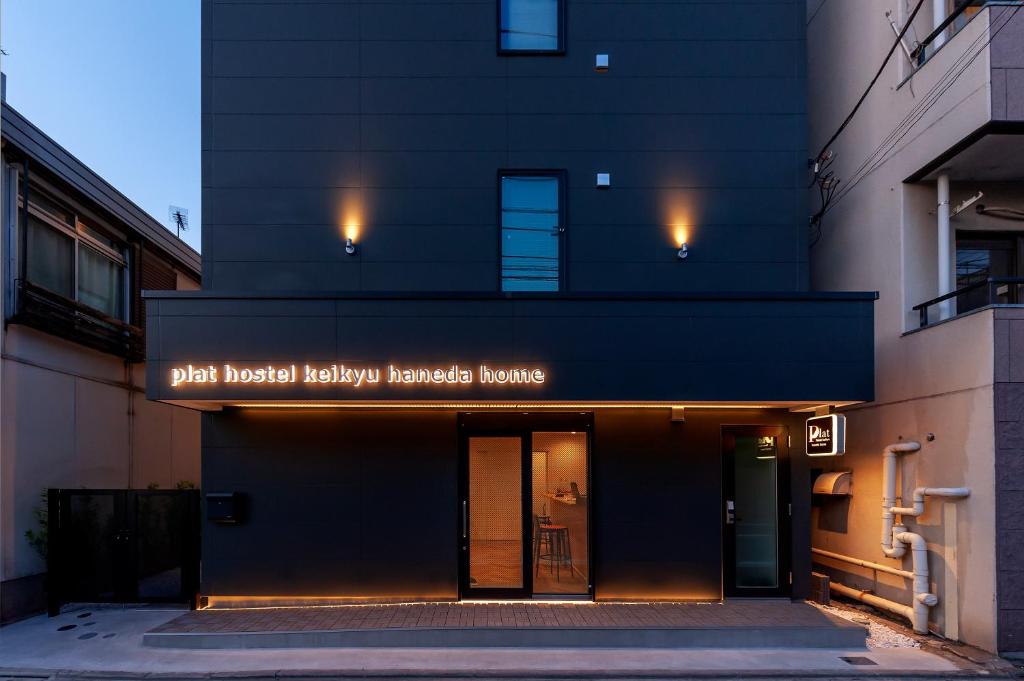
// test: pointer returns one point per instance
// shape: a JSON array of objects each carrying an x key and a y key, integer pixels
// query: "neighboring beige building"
[
  {"x": 950, "y": 114},
  {"x": 73, "y": 411}
]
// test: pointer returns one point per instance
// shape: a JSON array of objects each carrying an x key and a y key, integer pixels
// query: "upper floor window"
[
  {"x": 531, "y": 26},
  {"x": 531, "y": 231},
  {"x": 67, "y": 255}
]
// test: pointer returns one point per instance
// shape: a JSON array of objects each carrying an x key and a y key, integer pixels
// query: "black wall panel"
[
  {"x": 336, "y": 504},
  {"x": 657, "y": 495},
  {"x": 807, "y": 348},
  {"x": 365, "y": 504},
  {"x": 398, "y": 115}
]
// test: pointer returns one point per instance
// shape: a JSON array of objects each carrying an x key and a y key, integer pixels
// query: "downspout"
[
  {"x": 942, "y": 236},
  {"x": 896, "y": 539},
  {"x": 923, "y": 599},
  {"x": 889, "y": 548}
]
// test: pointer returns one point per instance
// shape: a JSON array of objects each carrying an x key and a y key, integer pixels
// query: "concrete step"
[{"x": 836, "y": 634}]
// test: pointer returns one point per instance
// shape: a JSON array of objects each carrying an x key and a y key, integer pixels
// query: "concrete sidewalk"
[{"x": 107, "y": 643}]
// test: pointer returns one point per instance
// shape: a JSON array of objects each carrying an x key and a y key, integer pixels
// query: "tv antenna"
[{"x": 179, "y": 218}]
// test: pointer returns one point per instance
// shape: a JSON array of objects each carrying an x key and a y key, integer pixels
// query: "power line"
[
  {"x": 875, "y": 160},
  {"x": 816, "y": 10},
  {"x": 874, "y": 80}
]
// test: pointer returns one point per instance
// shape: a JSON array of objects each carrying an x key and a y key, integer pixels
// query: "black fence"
[{"x": 122, "y": 546}]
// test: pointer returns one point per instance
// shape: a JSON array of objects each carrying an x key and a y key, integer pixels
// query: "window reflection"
[
  {"x": 530, "y": 25},
  {"x": 530, "y": 258}
]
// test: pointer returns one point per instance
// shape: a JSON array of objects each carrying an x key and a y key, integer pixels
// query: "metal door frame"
[
  {"x": 522, "y": 425},
  {"x": 783, "y": 511}
]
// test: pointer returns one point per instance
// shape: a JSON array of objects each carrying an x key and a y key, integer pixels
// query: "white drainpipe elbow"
[
  {"x": 921, "y": 492},
  {"x": 919, "y": 549},
  {"x": 889, "y": 494}
]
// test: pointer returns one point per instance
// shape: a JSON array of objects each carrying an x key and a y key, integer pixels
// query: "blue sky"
[{"x": 116, "y": 83}]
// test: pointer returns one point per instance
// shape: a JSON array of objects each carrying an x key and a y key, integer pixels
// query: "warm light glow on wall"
[
  {"x": 514, "y": 406},
  {"x": 282, "y": 602},
  {"x": 681, "y": 212},
  {"x": 681, "y": 234},
  {"x": 351, "y": 219}
]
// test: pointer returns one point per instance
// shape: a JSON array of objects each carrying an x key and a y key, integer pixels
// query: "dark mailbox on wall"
[{"x": 224, "y": 507}]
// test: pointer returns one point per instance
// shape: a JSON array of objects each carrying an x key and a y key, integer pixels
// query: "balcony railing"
[
  {"x": 963, "y": 12},
  {"x": 54, "y": 314},
  {"x": 991, "y": 291}
]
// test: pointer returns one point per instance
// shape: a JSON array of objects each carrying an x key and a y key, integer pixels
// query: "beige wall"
[
  {"x": 881, "y": 236},
  {"x": 951, "y": 399},
  {"x": 75, "y": 417}
]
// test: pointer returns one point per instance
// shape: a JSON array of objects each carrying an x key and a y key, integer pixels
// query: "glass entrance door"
[
  {"x": 524, "y": 528},
  {"x": 493, "y": 535},
  {"x": 755, "y": 512}
]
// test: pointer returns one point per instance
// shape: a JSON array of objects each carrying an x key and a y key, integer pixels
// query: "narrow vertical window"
[
  {"x": 530, "y": 26},
  {"x": 531, "y": 232}
]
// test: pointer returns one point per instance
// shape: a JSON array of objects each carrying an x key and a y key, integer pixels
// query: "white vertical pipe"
[
  {"x": 889, "y": 495},
  {"x": 942, "y": 235},
  {"x": 938, "y": 16}
]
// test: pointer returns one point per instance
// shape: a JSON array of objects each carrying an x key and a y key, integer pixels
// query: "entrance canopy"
[{"x": 211, "y": 349}]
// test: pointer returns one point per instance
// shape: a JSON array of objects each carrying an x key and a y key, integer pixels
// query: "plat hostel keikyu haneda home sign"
[
  {"x": 353, "y": 376},
  {"x": 826, "y": 435}
]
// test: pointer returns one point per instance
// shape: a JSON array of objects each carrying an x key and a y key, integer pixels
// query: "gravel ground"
[{"x": 880, "y": 633}]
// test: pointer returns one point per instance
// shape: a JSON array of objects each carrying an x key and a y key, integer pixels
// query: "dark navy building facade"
[{"x": 505, "y": 298}]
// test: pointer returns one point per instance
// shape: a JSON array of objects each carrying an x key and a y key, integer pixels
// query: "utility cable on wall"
[
  {"x": 827, "y": 182},
  {"x": 882, "y": 152},
  {"x": 878, "y": 74}
]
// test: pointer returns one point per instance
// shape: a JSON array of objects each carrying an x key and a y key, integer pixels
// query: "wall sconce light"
[
  {"x": 601, "y": 62},
  {"x": 604, "y": 180},
  {"x": 683, "y": 251},
  {"x": 350, "y": 246}
]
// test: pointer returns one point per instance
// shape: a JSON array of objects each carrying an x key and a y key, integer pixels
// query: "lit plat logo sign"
[
  {"x": 353, "y": 376},
  {"x": 826, "y": 435}
]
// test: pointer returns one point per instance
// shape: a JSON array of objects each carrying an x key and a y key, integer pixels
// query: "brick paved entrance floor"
[
  {"x": 475, "y": 622},
  {"x": 501, "y": 615}
]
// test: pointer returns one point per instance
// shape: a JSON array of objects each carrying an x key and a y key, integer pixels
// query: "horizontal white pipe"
[
  {"x": 864, "y": 563},
  {"x": 871, "y": 599},
  {"x": 921, "y": 492}
]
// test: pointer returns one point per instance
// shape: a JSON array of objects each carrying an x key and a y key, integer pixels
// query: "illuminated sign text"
[
  {"x": 355, "y": 377},
  {"x": 826, "y": 435}
]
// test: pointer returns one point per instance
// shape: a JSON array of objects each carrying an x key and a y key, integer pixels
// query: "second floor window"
[
  {"x": 531, "y": 231},
  {"x": 69, "y": 256},
  {"x": 530, "y": 26}
]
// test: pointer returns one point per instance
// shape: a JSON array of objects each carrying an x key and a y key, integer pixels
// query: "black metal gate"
[{"x": 122, "y": 546}]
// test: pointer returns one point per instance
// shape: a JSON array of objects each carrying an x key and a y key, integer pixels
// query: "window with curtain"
[
  {"x": 531, "y": 232},
  {"x": 100, "y": 282},
  {"x": 74, "y": 259},
  {"x": 50, "y": 261},
  {"x": 530, "y": 25}
]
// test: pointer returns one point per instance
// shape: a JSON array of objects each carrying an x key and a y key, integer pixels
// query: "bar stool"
[
  {"x": 552, "y": 545},
  {"x": 541, "y": 540}
]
